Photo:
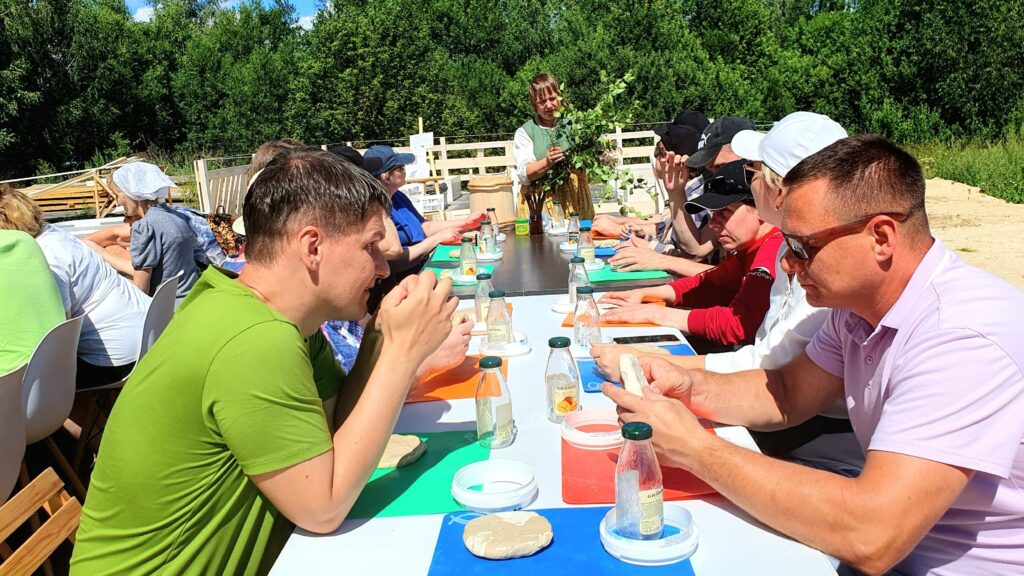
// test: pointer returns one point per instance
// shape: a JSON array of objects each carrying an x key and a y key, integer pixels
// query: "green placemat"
[
  {"x": 441, "y": 254},
  {"x": 483, "y": 268},
  {"x": 424, "y": 487},
  {"x": 606, "y": 274}
]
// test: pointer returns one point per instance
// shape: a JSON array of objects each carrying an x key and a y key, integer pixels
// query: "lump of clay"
[
  {"x": 401, "y": 451},
  {"x": 505, "y": 535},
  {"x": 632, "y": 374}
]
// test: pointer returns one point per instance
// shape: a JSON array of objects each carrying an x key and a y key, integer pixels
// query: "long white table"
[{"x": 731, "y": 542}]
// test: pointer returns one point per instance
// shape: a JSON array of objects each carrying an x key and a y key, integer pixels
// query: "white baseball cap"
[{"x": 790, "y": 140}]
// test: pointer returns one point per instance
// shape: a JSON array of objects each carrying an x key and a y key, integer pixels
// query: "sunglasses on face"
[{"x": 806, "y": 246}]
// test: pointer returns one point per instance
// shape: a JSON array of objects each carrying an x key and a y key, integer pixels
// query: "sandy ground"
[{"x": 983, "y": 230}]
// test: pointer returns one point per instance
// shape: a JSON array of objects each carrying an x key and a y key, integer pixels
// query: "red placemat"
[
  {"x": 588, "y": 477},
  {"x": 567, "y": 322},
  {"x": 452, "y": 384}
]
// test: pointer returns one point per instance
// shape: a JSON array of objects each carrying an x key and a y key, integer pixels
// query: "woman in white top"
[{"x": 113, "y": 307}]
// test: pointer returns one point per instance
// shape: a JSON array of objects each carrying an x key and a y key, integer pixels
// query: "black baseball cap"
[
  {"x": 353, "y": 156},
  {"x": 693, "y": 118},
  {"x": 680, "y": 139},
  {"x": 717, "y": 134},
  {"x": 727, "y": 186}
]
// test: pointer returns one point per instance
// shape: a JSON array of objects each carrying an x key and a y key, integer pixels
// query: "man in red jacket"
[{"x": 727, "y": 303}]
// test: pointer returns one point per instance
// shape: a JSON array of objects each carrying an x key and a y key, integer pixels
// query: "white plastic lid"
[
  {"x": 520, "y": 345},
  {"x": 667, "y": 550},
  {"x": 503, "y": 485},
  {"x": 603, "y": 440}
]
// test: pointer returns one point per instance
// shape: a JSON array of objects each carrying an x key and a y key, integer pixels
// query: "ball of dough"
[
  {"x": 505, "y": 535},
  {"x": 401, "y": 450}
]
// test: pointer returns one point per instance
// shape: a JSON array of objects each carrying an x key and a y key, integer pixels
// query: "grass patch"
[{"x": 996, "y": 168}]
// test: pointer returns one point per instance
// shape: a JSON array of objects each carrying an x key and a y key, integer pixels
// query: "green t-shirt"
[
  {"x": 29, "y": 300},
  {"x": 229, "y": 390}
]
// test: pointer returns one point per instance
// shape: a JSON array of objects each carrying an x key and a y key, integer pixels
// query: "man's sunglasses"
[{"x": 806, "y": 246}]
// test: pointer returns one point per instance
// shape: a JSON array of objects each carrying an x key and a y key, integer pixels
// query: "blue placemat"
[
  {"x": 575, "y": 549},
  {"x": 604, "y": 252},
  {"x": 592, "y": 378}
]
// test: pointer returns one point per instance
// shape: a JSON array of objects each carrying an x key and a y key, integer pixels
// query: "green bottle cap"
[
  {"x": 630, "y": 430},
  {"x": 584, "y": 228},
  {"x": 466, "y": 239},
  {"x": 556, "y": 202},
  {"x": 488, "y": 362},
  {"x": 584, "y": 290},
  {"x": 499, "y": 293},
  {"x": 577, "y": 260},
  {"x": 483, "y": 276},
  {"x": 485, "y": 221},
  {"x": 558, "y": 342},
  {"x": 574, "y": 213}
]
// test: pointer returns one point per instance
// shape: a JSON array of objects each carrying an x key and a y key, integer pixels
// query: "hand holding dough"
[{"x": 632, "y": 374}]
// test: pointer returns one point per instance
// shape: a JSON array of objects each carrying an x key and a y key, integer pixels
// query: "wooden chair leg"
[
  {"x": 91, "y": 417},
  {"x": 65, "y": 468},
  {"x": 33, "y": 521}
]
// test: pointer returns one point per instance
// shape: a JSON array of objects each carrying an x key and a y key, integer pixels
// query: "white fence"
[{"x": 454, "y": 163}]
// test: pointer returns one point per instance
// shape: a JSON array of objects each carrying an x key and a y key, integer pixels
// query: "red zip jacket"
[{"x": 729, "y": 301}]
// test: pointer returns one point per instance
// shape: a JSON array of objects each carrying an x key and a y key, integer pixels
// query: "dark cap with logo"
[{"x": 717, "y": 134}]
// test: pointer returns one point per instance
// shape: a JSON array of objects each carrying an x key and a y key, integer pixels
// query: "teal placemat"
[
  {"x": 441, "y": 254},
  {"x": 606, "y": 274},
  {"x": 424, "y": 487},
  {"x": 483, "y": 268}
]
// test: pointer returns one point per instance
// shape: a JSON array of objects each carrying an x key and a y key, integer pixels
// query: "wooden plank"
[
  {"x": 38, "y": 548},
  {"x": 25, "y": 503}
]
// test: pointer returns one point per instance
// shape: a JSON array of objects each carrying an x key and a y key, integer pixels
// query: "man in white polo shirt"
[{"x": 928, "y": 353}]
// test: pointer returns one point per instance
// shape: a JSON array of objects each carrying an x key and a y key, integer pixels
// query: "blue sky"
[{"x": 304, "y": 10}]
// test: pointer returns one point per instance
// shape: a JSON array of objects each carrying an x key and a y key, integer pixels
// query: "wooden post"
[{"x": 420, "y": 125}]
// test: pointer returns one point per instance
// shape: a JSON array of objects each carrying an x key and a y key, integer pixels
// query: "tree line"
[{"x": 80, "y": 80}]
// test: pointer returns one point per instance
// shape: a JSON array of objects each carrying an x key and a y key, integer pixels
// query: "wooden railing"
[{"x": 226, "y": 186}]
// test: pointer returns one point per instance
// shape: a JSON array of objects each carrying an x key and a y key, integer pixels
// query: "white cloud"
[
  {"x": 143, "y": 14},
  {"x": 306, "y": 22}
]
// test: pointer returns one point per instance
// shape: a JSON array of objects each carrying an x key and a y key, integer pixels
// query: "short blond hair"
[
  {"x": 771, "y": 177},
  {"x": 267, "y": 151},
  {"x": 543, "y": 83},
  {"x": 19, "y": 212}
]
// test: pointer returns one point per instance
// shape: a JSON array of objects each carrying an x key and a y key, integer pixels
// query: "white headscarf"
[{"x": 142, "y": 181}]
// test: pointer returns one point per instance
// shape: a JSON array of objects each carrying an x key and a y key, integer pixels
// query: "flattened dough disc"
[
  {"x": 505, "y": 535},
  {"x": 402, "y": 450}
]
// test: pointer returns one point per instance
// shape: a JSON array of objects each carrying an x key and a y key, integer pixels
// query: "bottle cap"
[
  {"x": 630, "y": 430},
  {"x": 559, "y": 342},
  {"x": 486, "y": 221},
  {"x": 584, "y": 290},
  {"x": 492, "y": 209},
  {"x": 556, "y": 202},
  {"x": 466, "y": 239},
  {"x": 577, "y": 260},
  {"x": 574, "y": 213},
  {"x": 483, "y": 276},
  {"x": 584, "y": 228},
  {"x": 501, "y": 293},
  {"x": 488, "y": 362}
]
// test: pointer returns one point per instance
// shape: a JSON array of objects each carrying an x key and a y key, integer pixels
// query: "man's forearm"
[
  {"x": 741, "y": 398},
  {"x": 683, "y": 267}
]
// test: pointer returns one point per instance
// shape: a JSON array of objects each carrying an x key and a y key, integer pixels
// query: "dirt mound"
[{"x": 983, "y": 230}]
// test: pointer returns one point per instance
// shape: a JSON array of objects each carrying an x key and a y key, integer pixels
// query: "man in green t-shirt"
[{"x": 236, "y": 424}]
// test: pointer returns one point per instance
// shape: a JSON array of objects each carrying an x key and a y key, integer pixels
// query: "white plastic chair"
[
  {"x": 48, "y": 390},
  {"x": 12, "y": 429},
  {"x": 158, "y": 316}
]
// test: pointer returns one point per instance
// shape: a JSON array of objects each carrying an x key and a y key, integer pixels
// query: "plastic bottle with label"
[
  {"x": 467, "y": 258},
  {"x": 482, "y": 298},
  {"x": 499, "y": 323},
  {"x": 495, "y": 425},
  {"x": 573, "y": 229},
  {"x": 585, "y": 246},
  {"x": 562, "y": 380},
  {"x": 639, "y": 493},
  {"x": 484, "y": 238},
  {"x": 577, "y": 277},
  {"x": 586, "y": 318}
]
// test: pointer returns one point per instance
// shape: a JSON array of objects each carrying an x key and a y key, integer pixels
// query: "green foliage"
[
  {"x": 998, "y": 169},
  {"x": 81, "y": 81}
]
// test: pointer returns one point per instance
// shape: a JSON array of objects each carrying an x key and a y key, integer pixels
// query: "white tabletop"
[{"x": 731, "y": 542}]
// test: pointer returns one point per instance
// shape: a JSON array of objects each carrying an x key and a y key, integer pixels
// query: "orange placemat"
[
  {"x": 588, "y": 477},
  {"x": 567, "y": 322},
  {"x": 452, "y": 384}
]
